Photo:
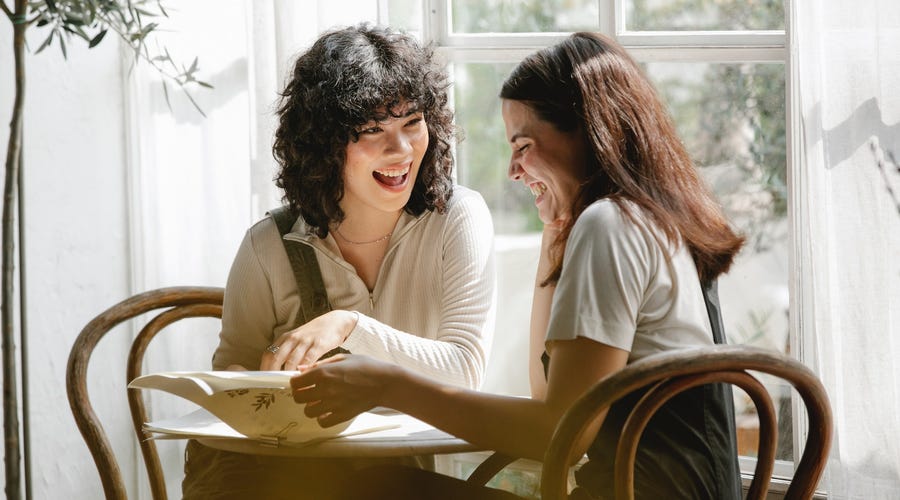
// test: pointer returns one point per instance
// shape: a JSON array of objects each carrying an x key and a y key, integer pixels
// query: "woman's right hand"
[
  {"x": 343, "y": 386},
  {"x": 307, "y": 343}
]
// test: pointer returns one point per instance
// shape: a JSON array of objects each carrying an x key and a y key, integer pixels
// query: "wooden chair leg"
[{"x": 489, "y": 468}]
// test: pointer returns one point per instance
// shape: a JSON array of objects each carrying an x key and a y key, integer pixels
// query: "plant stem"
[{"x": 7, "y": 301}]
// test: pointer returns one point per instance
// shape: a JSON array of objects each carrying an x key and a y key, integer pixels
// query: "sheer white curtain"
[
  {"x": 197, "y": 183},
  {"x": 848, "y": 76}
]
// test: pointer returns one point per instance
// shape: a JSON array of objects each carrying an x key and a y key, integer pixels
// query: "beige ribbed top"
[{"x": 432, "y": 308}]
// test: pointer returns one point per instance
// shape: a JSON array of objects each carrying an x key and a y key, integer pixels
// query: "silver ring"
[{"x": 273, "y": 349}]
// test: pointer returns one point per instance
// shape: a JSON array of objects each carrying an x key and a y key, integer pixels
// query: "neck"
[{"x": 367, "y": 228}]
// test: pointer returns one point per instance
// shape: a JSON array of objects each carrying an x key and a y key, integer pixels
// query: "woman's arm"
[
  {"x": 248, "y": 311},
  {"x": 540, "y": 315},
  {"x": 459, "y": 350},
  {"x": 339, "y": 389}
]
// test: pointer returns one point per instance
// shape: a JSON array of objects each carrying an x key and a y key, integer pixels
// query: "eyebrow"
[
  {"x": 517, "y": 135},
  {"x": 380, "y": 118}
]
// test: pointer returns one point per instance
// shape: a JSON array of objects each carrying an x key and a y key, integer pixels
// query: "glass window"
[
  {"x": 483, "y": 155},
  {"x": 521, "y": 16},
  {"x": 403, "y": 14},
  {"x": 697, "y": 15}
]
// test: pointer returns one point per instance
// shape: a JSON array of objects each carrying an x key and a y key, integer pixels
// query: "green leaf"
[
  {"x": 80, "y": 32},
  {"x": 147, "y": 29},
  {"x": 62, "y": 46},
  {"x": 196, "y": 106},
  {"x": 71, "y": 18},
  {"x": 204, "y": 84},
  {"x": 145, "y": 12},
  {"x": 166, "y": 94},
  {"x": 193, "y": 67},
  {"x": 51, "y": 5},
  {"x": 46, "y": 43},
  {"x": 97, "y": 39}
]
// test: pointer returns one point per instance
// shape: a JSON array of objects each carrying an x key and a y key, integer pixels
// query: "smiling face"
[
  {"x": 549, "y": 162},
  {"x": 382, "y": 164}
]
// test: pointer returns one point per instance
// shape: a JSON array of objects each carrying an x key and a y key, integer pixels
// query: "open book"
[{"x": 253, "y": 405}]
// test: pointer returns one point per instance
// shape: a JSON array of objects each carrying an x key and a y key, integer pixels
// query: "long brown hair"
[{"x": 588, "y": 82}]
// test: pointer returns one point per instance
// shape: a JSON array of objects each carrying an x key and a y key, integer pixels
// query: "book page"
[{"x": 256, "y": 404}]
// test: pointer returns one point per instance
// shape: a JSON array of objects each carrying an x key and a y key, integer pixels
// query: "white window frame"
[{"x": 760, "y": 46}]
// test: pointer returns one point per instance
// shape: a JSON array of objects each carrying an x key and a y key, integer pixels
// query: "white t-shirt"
[{"x": 621, "y": 288}]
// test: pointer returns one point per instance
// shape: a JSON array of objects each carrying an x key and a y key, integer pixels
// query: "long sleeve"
[
  {"x": 463, "y": 264},
  {"x": 248, "y": 313}
]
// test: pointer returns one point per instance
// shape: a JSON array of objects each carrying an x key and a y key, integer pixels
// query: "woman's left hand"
[{"x": 341, "y": 387}]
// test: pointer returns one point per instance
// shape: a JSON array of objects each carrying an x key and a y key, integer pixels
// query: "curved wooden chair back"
[
  {"x": 170, "y": 304},
  {"x": 669, "y": 374},
  {"x": 673, "y": 372}
]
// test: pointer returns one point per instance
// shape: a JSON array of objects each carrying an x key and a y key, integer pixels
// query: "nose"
[
  {"x": 398, "y": 143},
  {"x": 514, "y": 172}
]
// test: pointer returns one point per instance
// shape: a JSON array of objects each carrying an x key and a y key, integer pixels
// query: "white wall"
[{"x": 75, "y": 238}]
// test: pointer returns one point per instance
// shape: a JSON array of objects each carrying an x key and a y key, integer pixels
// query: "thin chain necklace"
[{"x": 338, "y": 232}]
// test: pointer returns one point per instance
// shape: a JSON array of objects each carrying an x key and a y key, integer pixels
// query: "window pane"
[
  {"x": 677, "y": 15},
  {"x": 404, "y": 14},
  {"x": 483, "y": 155},
  {"x": 731, "y": 117},
  {"x": 522, "y": 16}
]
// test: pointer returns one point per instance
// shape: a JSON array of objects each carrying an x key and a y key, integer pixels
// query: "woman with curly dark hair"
[{"x": 406, "y": 258}]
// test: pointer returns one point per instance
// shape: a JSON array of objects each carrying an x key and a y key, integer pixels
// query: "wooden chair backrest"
[
  {"x": 673, "y": 372},
  {"x": 170, "y": 304}
]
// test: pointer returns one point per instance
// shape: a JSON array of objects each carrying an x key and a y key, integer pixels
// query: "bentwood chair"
[
  {"x": 169, "y": 305},
  {"x": 669, "y": 374}
]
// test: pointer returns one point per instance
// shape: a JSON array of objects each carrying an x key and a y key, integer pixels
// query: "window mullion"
[
  {"x": 774, "y": 38},
  {"x": 436, "y": 22},
  {"x": 707, "y": 54},
  {"x": 610, "y": 16}
]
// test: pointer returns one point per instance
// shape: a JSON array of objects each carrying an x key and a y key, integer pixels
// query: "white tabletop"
[{"x": 406, "y": 436}]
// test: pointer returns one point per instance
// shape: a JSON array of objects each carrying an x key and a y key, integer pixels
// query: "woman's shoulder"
[
  {"x": 464, "y": 203},
  {"x": 604, "y": 210},
  {"x": 464, "y": 196},
  {"x": 608, "y": 215},
  {"x": 612, "y": 223}
]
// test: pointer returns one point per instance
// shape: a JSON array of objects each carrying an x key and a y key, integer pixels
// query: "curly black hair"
[{"x": 346, "y": 79}]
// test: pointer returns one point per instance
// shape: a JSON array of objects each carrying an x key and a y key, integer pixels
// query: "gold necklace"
[{"x": 338, "y": 232}]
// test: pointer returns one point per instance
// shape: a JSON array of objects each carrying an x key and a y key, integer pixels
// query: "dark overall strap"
[
  {"x": 723, "y": 394},
  {"x": 313, "y": 298},
  {"x": 714, "y": 310}
]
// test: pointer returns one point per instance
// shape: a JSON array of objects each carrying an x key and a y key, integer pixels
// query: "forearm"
[
  {"x": 456, "y": 358},
  {"x": 519, "y": 427},
  {"x": 542, "y": 300}
]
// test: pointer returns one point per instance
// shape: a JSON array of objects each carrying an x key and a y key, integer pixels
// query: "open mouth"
[
  {"x": 393, "y": 177},
  {"x": 538, "y": 188}
]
